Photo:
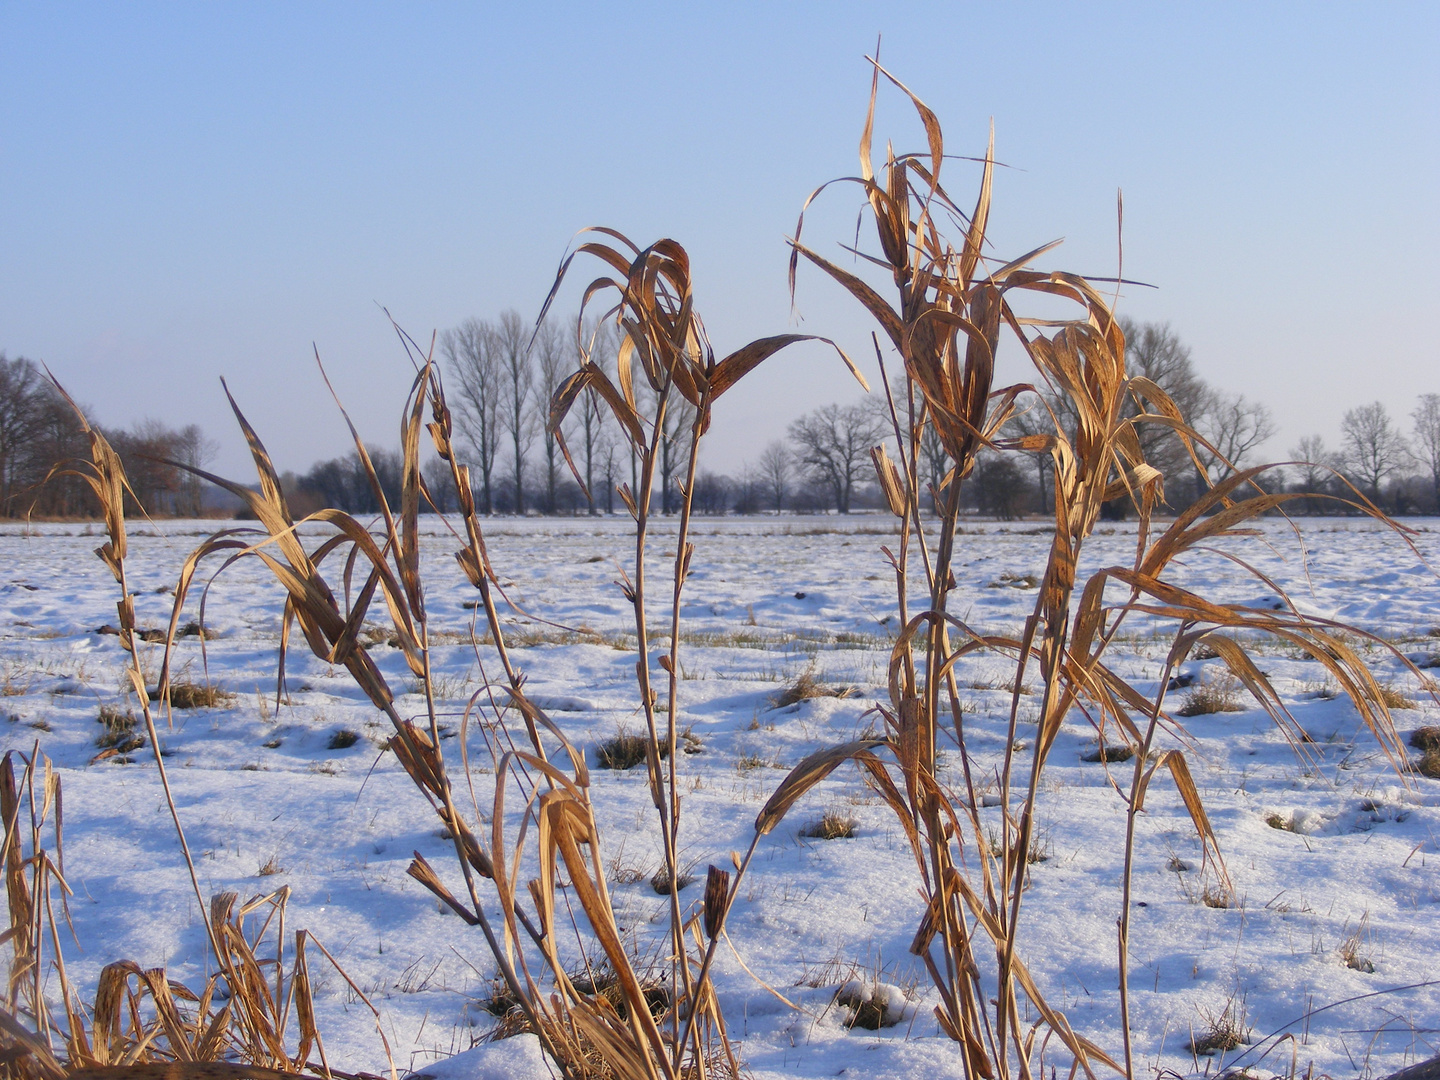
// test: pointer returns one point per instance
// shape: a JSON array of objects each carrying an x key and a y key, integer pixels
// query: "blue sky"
[{"x": 189, "y": 191}]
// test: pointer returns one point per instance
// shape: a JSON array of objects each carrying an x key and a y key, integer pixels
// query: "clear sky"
[{"x": 196, "y": 190}]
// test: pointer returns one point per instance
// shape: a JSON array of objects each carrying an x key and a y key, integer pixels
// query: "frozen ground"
[{"x": 769, "y": 599}]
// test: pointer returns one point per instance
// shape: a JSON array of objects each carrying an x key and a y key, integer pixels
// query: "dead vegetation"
[
  {"x": 1220, "y": 696},
  {"x": 544, "y": 927},
  {"x": 807, "y": 687},
  {"x": 834, "y": 824},
  {"x": 192, "y": 695}
]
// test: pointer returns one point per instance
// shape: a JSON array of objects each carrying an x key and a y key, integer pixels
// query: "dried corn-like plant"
[
  {"x": 541, "y": 786},
  {"x": 954, "y": 303},
  {"x": 251, "y": 1018}
]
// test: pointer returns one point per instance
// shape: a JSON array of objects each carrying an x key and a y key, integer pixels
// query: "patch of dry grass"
[
  {"x": 624, "y": 751},
  {"x": 1223, "y": 695},
  {"x": 806, "y": 688},
  {"x": 1224, "y": 1032},
  {"x": 832, "y": 825},
  {"x": 191, "y": 695}
]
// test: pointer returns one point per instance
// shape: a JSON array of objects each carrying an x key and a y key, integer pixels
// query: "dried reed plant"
[
  {"x": 663, "y": 342},
  {"x": 954, "y": 303},
  {"x": 139, "y": 1018}
]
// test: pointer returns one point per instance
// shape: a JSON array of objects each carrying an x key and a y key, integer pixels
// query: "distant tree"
[
  {"x": 471, "y": 351},
  {"x": 712, "y": 493},
  {"x": 747, "y": 492},
  {"x": 834, "y": 443},
  {"x": 1156, "y": 352},
  {"x": 193, "y": 450},
  {"x": 1235, "y": 427},
  {"x": 440, "y": 485},
  {"x": 21, "y": 395},
  {"x": 512, "y": 338},
  {"x": 674, "y": 449},
  {"x": 555, "y": 357},
  {"x": 1312, "y": 474},
  {"x": 999, "y": 487},
  {"x": 1035, "y": 420},
  {"x": 1426, "y": 417},
  {"x": 935, "y": 461},
  {"x": 592, "y": 434},
  {"x": 1374, "y": 447},
  {"x": 774, "y": 472}
]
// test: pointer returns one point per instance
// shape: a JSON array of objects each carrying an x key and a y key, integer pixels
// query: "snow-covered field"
[{"x": 1358, "y": 860}]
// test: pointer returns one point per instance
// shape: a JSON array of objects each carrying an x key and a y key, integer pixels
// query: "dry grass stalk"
[{"x": 953, "y": 304}]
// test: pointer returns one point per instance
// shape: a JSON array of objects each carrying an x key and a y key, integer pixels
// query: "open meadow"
[{"x": 1319, "y": 950}]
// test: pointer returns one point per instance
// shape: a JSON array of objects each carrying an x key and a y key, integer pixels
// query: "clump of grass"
[
  {"x": 1429, "y": 764},
  {"x": 1396, "y": 699},
  {"x": 270, "y": 867},
  {"x": 660, "y": 881},
  {"x": 1109, "y": 753},
  {"x": 833, "y": 825},
  {"x": 1351, "y": 946},
  {"x": 119, "y": 732},
  {"x": 190, "y": 695},
  {"x": 1014, "y": 581},
  {"x": 1224, "y": 1032},
  {"x": 1280, "y": 821},
  {"x": 806, "y": 688},
  {"x": 1426, "y": 738},
  {"x": 1215, "y": 697},
  {"x": 1218, "y": 896},
  {"x": 624, "y": 751},
  {"x": 749, "y": 763},
  {"x": 872, "y": 1005},
  {"x": 342, "y": 740}
]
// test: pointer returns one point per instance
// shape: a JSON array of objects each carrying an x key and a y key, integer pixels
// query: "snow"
[{"x": 1358, "y": 853}]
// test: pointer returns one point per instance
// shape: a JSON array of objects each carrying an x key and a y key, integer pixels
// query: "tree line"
[
  {"x": 39, "y": 431},
  {"x": 502, "y": 374}
]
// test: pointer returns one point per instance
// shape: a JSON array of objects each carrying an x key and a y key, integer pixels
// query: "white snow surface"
[{"x": 767, "y": 599}]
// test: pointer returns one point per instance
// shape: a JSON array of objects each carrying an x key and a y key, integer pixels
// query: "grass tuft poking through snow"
[
  {"x": 1216, "y": 697},
  {"x": 833, "y": 825},
  {"x": 806, "y": 688}
]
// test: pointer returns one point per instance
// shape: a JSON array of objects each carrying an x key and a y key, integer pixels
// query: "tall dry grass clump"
[
  {"x": 253, "y": 1016},
  {"x": 954, "y": 302},
  {"x": 542, "y": 821}
]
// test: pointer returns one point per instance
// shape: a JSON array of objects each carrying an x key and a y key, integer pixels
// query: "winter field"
[{"x": 1335, "y": 858}]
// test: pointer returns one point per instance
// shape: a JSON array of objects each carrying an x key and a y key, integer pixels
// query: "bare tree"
[
  {"x": 20, "y": 410},
  {"x": 1036, "y": 421},
  {"x": 936, "y": 461},
  {"x": 1374, "y": 447},
  {"x": 674, "y": 449},
  {"x": 1156, "y": 352},
  {"x": 1234, "y": 426},
  {"x": 1427, "y": 440},
  {"x": 471, "y": 352},
  {"x": 594, "y": 436},
  {"x": 556, "y": 357},
  {"x": 777, "y": 466},
  {"x": 834, "y": 442},
  {"x": 1313, "y": 473},
  {"x": 512, "y": 339},
  {"x": 194, "y": 451}
]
